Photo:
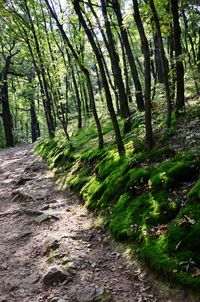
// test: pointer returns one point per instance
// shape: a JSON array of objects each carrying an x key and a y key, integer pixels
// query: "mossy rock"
[
  {"x": 127, "y": 215},
  {"x": 137, "y": 178},
  {"x": 92, "y": 191},
  {"x": 171, "y": 173}
]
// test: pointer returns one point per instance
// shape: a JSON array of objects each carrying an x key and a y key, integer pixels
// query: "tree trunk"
[
  {"x": 124, "y": 108},
  {"x": 78, "y": 100},
  {"x": 130, "y": 57},
  {"x": 147, "y": 67},
  {"x": 85, "y": 72},
  {"x": 164, "y": 63},
  {"x": 180, "y": 97},
  {"x": 51, "y": 125},
  {"x": 120, "y": 144},
  {"x": 35, "y": 129},
  {"x": 6, "y": 113}
]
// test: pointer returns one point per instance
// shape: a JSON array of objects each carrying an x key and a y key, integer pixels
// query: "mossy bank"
[{"x": 151, "y": 198}]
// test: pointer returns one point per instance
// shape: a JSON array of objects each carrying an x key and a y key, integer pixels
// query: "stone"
[
  {"x": 3, "y": 267},
  {"x": 45, "y": 207},
  {"x": 33, "y": 212},
  {"x": 57, "y": 299},
  {"x": 49, "y": 244},
  {"x": 42, "y": 218},
  {"x": 86, "y": 294},
  {"x": 103, "y": 295},
  {"x": 56, "y": 275},
  {"x": 32, "y": 279}
]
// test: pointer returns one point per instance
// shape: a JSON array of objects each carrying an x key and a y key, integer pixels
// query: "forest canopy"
[{"x": 63, "y": 61}]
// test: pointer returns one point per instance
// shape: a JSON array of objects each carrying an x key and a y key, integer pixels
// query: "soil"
[{"x": 43, "y": 227}]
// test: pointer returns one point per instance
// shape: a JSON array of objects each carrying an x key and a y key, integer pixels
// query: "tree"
[
  {"x": 180, "y": 96},
  {"x": 147, "y": 67}
]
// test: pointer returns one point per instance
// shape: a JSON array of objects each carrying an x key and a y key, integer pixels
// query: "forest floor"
[{"x": 51, "y": 248}]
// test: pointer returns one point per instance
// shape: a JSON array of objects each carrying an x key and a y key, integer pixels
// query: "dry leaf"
[{"x": 195, "y": 272}]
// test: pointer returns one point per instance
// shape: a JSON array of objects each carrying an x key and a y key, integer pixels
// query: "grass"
[{"x": 150, "y": 198}]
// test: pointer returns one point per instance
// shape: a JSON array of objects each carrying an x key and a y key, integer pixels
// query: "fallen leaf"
[{"x": 195, "y": 272}]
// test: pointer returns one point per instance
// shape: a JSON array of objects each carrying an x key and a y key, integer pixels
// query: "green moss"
[
  {"x": 155, "y": 251},
  {"x": 137, "y": 178},
  {"x": 79, "y": 179},
  {"x": 128, "y": 215},
  {"x": 169, "y": 174},
  {"x": 92, "y": 191},
  {"x": 194, "y": 193},
  {"x": 180, "y": 172},
  {"x": 136, "y": 194},
  {"x": 108, "y": 164}
]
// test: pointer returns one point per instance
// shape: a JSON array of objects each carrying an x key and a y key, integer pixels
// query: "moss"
[
  {"x": 180, "y": 172},
  {"x": 157, "y": 155},
  {"x": 80, "y": 178},
  {"x": 92, "y": 191},
  {"x": 110, "y": 162},
  {"x": 135, "y": 194},
  {"x": 169, "y": 174},
  {"x": 128, "y": 215},
  {"x": 155, "y": 251},
  {"x": 136, "y": 178},
  {"x": 114, "y": 184},
  {"x": 184, "y": 156},
  {"x": 194, "y": 193}
]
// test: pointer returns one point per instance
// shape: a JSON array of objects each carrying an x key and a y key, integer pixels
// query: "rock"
[
  {"x": 31, "y": 279},
  {"x": 4, "y": 299},
  {"x": 91, "y": 294},
  {"x": 73, "y": 265},
  {"x": 57, "y": 299},
  {"x": 55, "y": 275},
  {"x": 44, "y": 207},
  {"x": 3, "y": 267},
  {"x": 49, "y": 244},
  {"x": 42, "y": 218},
  {"x": 86, "y": 294},
  {"x": 33, "y": 212},
  {"x": 103, "y": 295},
  {"x": 24, "y": 234}
]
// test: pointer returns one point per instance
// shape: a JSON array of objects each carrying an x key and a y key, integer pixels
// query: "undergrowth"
[{"x": 151, "y": 198}]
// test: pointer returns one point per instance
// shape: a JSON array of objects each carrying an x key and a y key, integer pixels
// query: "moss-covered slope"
[{"x": 152, "y": 198}]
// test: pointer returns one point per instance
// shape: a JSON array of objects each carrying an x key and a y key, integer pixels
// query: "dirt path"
[{"x": 49, "y": 247}]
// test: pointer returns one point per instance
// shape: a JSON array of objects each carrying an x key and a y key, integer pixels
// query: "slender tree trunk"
[
  {"x": 85, "y": 72},
  {"x": 120, "y": 144},
  {"x": 43, "y": 95},
  {"x": 6, "y": 113},
  {"x": 147, "y": 67},
  {"x": 187, "y": 34},
  {"x": 78, "y": 100},
  {"x": 35, "y": 128},
  {"x": 51, "y": 125},
  {"x": 164, "y": 62},
  {"x": 124, "y": 108},
  {"x": 180, "y": 96},
  {"x": 130, "y": 57}
]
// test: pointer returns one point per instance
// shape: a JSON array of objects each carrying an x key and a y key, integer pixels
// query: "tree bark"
[
  {"x": 85, "y": 72},
  {"x": 119, "y": 142},
  {"x": 35, "y": 128},
  {"x": 164, "y": 63},
  {"x": 147, "y": 67},
  {"x": 6, "y": 113},
  {"x": 130, "y": 57},
  {"x": 114, "y": 57},
  {"x": 180, "y": 96}
]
